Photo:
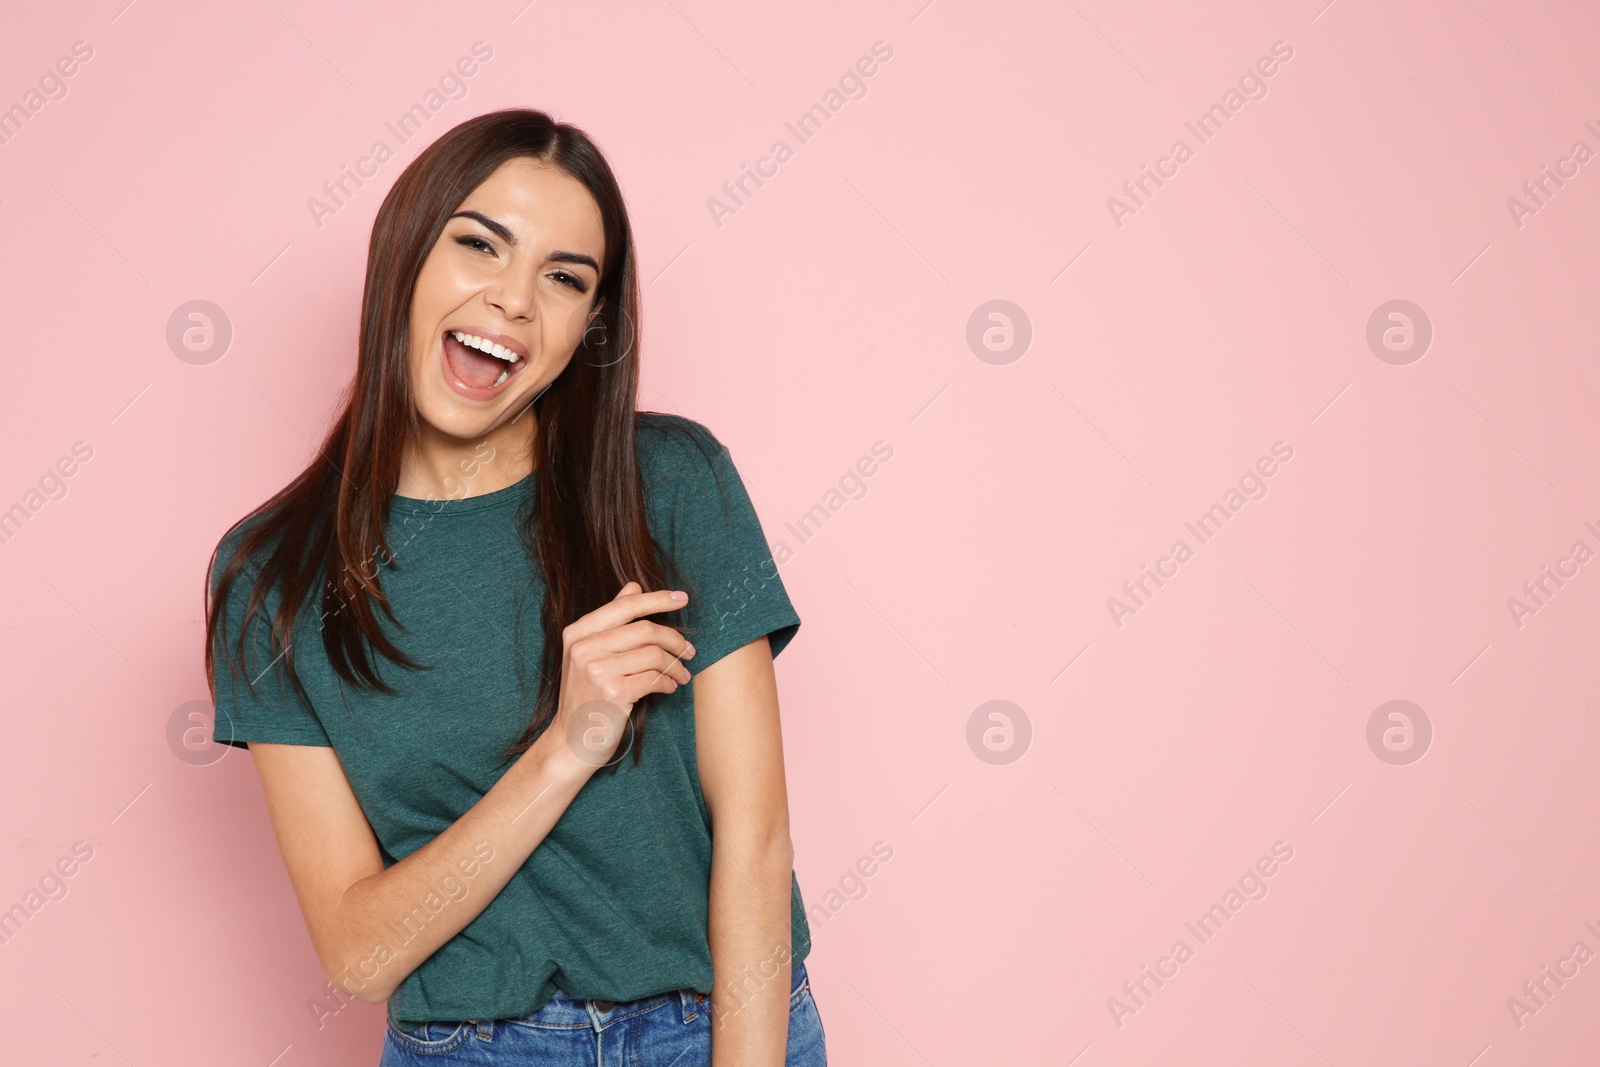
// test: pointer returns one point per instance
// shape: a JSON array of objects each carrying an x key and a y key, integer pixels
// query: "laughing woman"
[{"x": 440, "y": 643}]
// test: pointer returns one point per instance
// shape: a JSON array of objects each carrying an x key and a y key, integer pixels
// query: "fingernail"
[
  {"x": 679, "y": 595},
  {"x": 688, "y": 650}
]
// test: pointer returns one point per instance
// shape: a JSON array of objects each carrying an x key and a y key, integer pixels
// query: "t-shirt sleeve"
[
  {"x": 271, "y": 712},
  {"x": 736, "y": 592}
]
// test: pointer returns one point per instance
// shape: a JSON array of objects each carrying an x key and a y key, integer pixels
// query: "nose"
[{"x": 511, "y": 292}]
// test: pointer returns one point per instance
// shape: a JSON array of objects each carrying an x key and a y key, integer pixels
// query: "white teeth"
[
  {"x": 486, "y": 346},
  {"x": 503, "y": 376}
]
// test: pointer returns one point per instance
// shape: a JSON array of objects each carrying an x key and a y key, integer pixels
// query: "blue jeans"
[{"x": 665, "y": 1030}]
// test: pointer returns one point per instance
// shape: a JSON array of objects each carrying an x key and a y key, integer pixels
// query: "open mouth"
[{"x": 479, "y": 363}]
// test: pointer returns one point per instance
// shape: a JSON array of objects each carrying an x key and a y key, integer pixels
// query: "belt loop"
[{"x": 690, "y": 1002}]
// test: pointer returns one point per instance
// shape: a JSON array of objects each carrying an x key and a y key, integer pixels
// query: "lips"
[{"x": 478, "y": 374}]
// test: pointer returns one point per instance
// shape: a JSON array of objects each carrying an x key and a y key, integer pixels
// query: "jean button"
[{"x": 603, "y": 1005}]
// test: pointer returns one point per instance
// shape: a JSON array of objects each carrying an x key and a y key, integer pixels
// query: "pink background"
[{"x": 1160, "y": 758}]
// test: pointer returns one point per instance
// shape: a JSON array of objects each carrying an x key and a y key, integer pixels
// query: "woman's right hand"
[{"x": 611, "y": 658}]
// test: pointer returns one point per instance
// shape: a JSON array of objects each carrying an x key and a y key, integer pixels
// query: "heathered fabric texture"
[{"x": 613, "y": 903}]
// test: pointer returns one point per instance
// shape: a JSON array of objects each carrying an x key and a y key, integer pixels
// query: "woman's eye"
[{"x": 478, "y": 244}]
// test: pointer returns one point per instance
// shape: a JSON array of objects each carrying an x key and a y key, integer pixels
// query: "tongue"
[{"x": 477, "y": 369}]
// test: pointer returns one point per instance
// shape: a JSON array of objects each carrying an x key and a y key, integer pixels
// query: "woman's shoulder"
[
  {"x": 230, "y": 544},
  {"x": 674, "y": 445}
]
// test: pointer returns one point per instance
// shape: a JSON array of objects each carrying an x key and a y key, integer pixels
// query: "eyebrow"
[{"x": 499, "y": 230}]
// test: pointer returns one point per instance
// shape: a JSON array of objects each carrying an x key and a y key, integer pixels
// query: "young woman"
[{"x": 442, "y": 645}]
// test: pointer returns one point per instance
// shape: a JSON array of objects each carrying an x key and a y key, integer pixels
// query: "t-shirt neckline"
[{"x": 499, "y": 498}]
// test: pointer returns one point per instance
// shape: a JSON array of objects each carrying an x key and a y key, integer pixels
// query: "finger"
[
  {"x": 642, "y": 633},
  {"x": 647, "y": 659},
  {"x": 636, "y": 659},
  {"x": 649, "y": 682},
  {"x": 630, "y": 606}
]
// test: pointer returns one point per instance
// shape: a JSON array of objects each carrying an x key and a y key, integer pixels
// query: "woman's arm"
[
  {"x": 739, "y": 748},
  {"x": 355, "y": 908}
]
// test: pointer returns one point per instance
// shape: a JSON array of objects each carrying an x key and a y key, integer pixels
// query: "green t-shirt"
[{"x": 613, "y": 903}]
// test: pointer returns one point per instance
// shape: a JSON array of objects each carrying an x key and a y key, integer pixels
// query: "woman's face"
[{"x": 516, "y": 265}]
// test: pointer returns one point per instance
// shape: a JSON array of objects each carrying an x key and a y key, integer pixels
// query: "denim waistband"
[{"x": 565, "y": 1012}]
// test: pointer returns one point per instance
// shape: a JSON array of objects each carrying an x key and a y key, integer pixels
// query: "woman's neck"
[{"x": 441, "y": 467}]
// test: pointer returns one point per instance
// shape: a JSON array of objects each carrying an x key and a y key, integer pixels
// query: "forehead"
[{"x": 542, "y": 205}]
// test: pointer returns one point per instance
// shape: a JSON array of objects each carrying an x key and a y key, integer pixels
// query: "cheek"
[
  {"x": 416, "y": 349},
  {"x": 438, "y": 291},
  {"x": 563, "y": 330}
]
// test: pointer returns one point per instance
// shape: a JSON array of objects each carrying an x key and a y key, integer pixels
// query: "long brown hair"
[{"x": 587, "y": 530}]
